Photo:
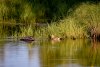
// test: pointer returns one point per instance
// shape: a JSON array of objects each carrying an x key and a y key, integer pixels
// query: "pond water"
[{"x": 67, "y": 53}]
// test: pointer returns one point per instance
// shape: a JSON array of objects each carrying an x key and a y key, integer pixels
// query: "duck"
[
  {"x": 28, "y": 38},
  {"x": 55, "y": 38}
]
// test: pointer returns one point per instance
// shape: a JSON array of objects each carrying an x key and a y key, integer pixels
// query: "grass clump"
[
  {"x": 65, "y": 28},
  {"x": 24, "y": 31}
]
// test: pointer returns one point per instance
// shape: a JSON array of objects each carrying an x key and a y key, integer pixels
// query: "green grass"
[
  {"x": 77, "y": 24},
  {"x": 24, "y": 31}
]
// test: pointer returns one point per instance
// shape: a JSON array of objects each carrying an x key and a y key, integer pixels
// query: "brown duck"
[{"x": 55, "y": 38}]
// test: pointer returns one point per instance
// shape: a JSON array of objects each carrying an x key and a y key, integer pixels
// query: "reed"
[{"x": 25, "y": 31}]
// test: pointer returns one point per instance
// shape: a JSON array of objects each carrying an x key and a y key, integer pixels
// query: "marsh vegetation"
[
  {"x": 40, "y": 19},
  {"x": 46, "y": 23}
]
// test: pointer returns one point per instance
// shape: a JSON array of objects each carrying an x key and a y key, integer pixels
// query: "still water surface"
[{"x": 67, "y": 53}]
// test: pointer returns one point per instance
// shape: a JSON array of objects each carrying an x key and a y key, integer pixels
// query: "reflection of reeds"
[
  {"x": 89, "y": 54},
  {"x": 60, "y": 52}
]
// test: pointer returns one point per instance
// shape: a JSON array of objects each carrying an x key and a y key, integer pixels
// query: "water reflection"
[
  {"x": 60, "y": 54},
  {"x": 68, "y": 53},
  {"x": 89, "y": 54},
  {"x": 2, "y": 53}
]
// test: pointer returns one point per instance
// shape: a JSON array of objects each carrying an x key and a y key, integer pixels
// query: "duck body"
[
  {"x": 27, "y": 39},
  {"x": 52, "y": 37}
]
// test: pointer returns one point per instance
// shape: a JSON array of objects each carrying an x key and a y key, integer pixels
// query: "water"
[{"x": 67, "y": 53}]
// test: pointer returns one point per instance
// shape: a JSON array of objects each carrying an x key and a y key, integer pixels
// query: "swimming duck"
[
  {"x": 52, "y": 37},
  {"x": 28, "y": 38}
]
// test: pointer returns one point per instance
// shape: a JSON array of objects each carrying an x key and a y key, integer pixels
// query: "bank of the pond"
[{"x": 84, "y": 22}]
